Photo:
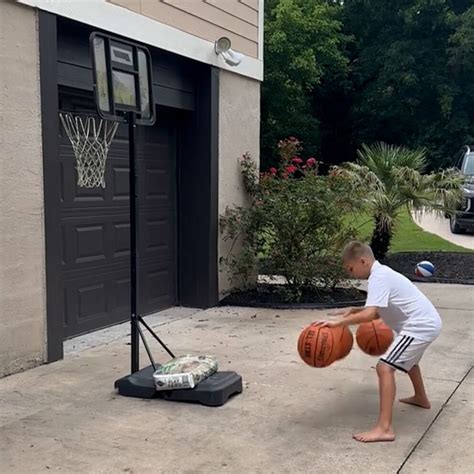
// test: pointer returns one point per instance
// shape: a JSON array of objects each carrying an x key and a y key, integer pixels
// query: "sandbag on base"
[{"x": 184, "y": 372}]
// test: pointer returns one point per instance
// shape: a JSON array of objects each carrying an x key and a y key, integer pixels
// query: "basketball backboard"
[{"x": 122, "y": 79}]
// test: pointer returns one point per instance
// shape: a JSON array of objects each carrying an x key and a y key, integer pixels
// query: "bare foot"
[
  {"x": 419, "y": 402},
  {"x": 375, "y": 435}
]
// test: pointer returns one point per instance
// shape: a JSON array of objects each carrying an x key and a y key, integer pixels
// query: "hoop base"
[{"x": 214, "y": 391}]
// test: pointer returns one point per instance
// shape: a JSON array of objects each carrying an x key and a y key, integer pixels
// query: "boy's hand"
[{"x": 345, "y": 313}]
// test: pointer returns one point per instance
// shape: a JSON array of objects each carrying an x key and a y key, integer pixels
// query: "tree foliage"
[
  {"x": 303, "y": 45},
  {"x": 339, "y": 74},
  {"x": 409, "y": 73}
]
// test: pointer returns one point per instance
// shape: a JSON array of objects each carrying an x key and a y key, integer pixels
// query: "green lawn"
[{"x": 408, "y": 236}]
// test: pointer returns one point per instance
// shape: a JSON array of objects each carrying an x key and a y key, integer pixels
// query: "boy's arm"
[
  {"x": 364, "y": 315},
  {"x": 346, "y": 312}
]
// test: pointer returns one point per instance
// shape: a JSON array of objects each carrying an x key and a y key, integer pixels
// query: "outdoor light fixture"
[{"x": 222, "y": 47}]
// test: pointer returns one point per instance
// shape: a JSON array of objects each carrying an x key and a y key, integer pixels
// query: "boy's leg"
[
  {"x": 404, "y": 354},
  {"x": 383, "y": 431},
  {"x": 420, "y": 398}
]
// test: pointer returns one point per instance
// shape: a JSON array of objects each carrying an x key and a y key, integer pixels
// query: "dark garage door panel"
[
  {"x": 156, "y": 152},
  {"x": 91, "y": 241},
  {"x": 96, "y": 300},
  {"x": 95, "y": 243}
]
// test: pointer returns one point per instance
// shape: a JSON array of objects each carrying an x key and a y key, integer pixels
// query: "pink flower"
[
  {"x": 291, "y": 169},
  {"x": 273, "y": 171},
  {"x": 297, "y": 160},
  {"x": 311, "y": 161}
]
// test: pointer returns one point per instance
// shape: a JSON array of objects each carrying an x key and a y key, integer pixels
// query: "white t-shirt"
[{"x": 401, "y": 305}]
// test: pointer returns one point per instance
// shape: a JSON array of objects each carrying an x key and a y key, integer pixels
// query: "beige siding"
[
  {"x": 239, "y": 132},
  {"x": 207, "y": 19},
  {"x": 22, "y": 246}
]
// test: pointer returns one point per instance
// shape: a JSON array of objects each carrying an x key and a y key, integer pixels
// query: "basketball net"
[{"x": 90, "y": 138}]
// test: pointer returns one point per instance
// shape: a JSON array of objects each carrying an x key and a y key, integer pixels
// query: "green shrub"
[{"x": 294, "y": 223}]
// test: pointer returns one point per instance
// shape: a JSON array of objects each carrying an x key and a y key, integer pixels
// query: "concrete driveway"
[
  {"x": 439, "y": 225},
  {"x": 290, "y": 418}
]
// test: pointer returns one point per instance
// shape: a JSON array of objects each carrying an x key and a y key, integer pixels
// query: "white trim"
[
  {"x": 261, "y": 28},
  {"x": 121, "y": 21}
]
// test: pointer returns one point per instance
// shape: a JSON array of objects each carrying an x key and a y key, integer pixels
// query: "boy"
[{"x": 409, "y": 313}]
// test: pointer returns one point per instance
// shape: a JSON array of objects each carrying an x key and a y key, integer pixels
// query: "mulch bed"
[
  {"x": 265, "y": 295},
  {"x": 450, "y": 267}
]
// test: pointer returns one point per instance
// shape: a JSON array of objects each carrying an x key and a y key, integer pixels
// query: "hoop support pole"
[{"x": 133, "y": 184}]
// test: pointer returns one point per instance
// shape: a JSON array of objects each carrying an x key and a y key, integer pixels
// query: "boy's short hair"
[{"x": 355, "y": 249}]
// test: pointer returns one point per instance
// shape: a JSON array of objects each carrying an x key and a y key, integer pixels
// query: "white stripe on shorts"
[{"x": 399, "y": 349}]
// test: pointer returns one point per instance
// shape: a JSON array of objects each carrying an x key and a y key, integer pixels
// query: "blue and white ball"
[{"x": 425, "y": 269}]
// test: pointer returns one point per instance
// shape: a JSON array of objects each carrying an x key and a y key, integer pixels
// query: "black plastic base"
[
  {"x": 213, "y": 391},
  {"x": 140, "y": 384}
]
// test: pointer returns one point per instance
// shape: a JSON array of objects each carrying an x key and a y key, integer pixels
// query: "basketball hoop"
[
  {"x": 123, "y": 91},
  {"x": 90, "y": 138}
]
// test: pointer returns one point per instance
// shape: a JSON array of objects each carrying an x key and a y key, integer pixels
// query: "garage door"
[{"x": 95, "y": 226}]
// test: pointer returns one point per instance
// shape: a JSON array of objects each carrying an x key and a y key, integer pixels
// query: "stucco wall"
[
  {"x": 22, "y": 280},
  {"x": 239, "y": 133}
]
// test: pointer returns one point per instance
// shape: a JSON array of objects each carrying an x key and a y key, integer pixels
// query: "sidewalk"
[{"x": 66, "y": 417}]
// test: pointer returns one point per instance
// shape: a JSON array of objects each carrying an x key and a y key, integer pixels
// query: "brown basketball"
[
  {"x": 344, "y": 339},
  {"x": 374, "y": 338},
  {"x": 318, "y": 346}
]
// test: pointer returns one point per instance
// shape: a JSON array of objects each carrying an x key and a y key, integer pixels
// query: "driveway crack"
[{"x": 443, "y": 406}]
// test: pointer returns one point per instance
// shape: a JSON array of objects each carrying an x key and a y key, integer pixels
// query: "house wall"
[
  {"x": 186, "y": 28},
  {"x": 207, "y": 19},
  {"x": 22, "y": 245},
  {"x": 22, "y": 217},
  {"x": 239, "y": 133}
]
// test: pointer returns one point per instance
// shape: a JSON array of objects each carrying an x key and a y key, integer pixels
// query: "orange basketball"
[
  {"x": 318, "y": 346},
  {"x": 374, "y": 337},
  {"x": 344, "y": 339}
]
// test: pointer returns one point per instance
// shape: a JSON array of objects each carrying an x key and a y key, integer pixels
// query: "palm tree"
[{"x": 395, "y": 180}]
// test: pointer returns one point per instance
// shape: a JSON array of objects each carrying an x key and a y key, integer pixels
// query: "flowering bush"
[{"x": 295, "y": 222}]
